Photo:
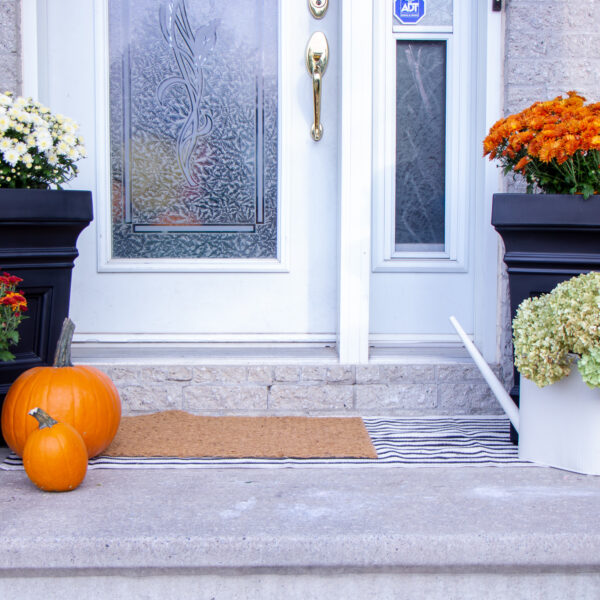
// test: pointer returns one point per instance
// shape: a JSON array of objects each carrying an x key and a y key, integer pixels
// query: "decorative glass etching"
[
  {"x": 193, "y": 108},
  {"x": 420, "y": 145},
  {"x": 438, "y": 13}
]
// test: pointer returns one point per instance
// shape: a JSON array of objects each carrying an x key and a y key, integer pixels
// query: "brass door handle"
[{"x": 317, "y": 56}]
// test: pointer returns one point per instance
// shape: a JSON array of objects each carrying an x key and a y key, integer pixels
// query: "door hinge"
[{"x": 496, "y": 5}]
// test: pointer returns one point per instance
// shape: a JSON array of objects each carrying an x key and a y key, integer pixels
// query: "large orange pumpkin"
[
  {"x": 81, "y": 396},
  {"x": 55, "y": 457}
]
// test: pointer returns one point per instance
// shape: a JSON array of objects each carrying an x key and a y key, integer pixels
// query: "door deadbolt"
[{"x": 318, "y": 8}]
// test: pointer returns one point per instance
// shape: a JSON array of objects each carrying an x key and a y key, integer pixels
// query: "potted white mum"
[
  {"x": 38, "y": 149},
  {"x": 557, "y": 352},
  {"x": 39, "y": 221}
]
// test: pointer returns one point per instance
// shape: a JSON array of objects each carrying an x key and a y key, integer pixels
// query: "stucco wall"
[
  {"x": 10, "y": 56},
  {"x": 551, "y": 47}
]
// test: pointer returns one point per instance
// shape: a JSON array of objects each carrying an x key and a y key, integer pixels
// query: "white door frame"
[{"x": 355, "y": 179}]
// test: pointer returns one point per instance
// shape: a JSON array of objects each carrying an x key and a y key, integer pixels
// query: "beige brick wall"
[
  {"x": 552, "y": 46},
  {"x": 10, "y": 54},
  {"x": 396, "y": 389}
]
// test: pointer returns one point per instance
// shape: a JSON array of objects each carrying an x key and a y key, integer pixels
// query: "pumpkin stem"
[
  {"x": 43, "y": 418},
  {"x": 62, "y": 358}
]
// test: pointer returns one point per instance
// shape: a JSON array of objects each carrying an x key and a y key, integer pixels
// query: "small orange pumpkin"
[
  {"x": 55, "y": 457},
  {"x": 81, "y": 396}
]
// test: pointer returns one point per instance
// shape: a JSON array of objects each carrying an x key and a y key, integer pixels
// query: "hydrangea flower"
[{"x": 552, "y": 331}]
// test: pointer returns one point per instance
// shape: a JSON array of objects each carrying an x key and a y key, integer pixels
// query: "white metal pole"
[{"x": 501, "y": 394}]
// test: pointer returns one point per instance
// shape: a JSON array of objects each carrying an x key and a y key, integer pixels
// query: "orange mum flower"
[
  {"x": 15, "y": 300},
  {"x": 554, "y": 144}
]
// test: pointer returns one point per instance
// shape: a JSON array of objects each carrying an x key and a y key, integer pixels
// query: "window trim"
[{"x": 458, "y": 138}]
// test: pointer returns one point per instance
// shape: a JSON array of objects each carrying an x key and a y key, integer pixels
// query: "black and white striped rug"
[{"x": 471, "y": 441}]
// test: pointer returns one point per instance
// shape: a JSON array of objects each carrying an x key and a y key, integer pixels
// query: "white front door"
[
  {"x": 215, "y": 210},
  {"x": 219, "y": 219}
]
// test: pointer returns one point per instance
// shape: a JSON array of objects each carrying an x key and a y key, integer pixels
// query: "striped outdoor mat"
[{"x": 472, "y": 441}]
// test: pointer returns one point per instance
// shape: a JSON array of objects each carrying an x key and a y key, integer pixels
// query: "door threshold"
[
  {"x": 419, "y": 354},
  {"x": 257, "y": 354},
  {"x": 194, "y": 354}
]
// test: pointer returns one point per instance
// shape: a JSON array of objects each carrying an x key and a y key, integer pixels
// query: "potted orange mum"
[
  {"x": 552, "y": 232},
  {"x": 554, "y": 146}
]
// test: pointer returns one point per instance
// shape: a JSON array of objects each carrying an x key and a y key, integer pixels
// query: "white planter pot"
[{"x": 560, "y": 424}]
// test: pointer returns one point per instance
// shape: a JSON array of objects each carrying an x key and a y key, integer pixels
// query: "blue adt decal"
[{"x": 409, "y": 12}]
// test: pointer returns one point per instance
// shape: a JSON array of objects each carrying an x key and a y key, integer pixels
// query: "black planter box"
[
  {"x": 548, "y": 238},
  {"x": 38, "y": 235}
]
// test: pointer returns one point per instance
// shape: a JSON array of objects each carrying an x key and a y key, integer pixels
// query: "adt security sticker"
[{"x": 409, "y": 12}]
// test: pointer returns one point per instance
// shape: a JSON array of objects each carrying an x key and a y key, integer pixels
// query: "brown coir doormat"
[{"x": 178, "y": 433}]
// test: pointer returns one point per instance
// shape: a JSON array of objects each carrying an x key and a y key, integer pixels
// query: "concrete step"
[{"x": 304, "y": 533}]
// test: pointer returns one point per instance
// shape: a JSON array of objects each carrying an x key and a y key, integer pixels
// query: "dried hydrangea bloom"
[{"x": 548, "y": 331}]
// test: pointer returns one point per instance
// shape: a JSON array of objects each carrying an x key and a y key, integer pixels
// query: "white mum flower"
[
  {"x": 38, "y": 121},
  {"x": 4, "y": 122},
  {"x": 23, "y": 116},
  {"x": 11, "y": 156},
  {"x": 6, "y": 143},
  {"x": 69, "y": 126},
  {"x": 5, "y": 100},
  {"x": 21, "y": 148},
  {"x": 52, "y": 158},
  {"x": 27, "y": 159},
  {"x": 62, "y": 147},
  {"x": 44, "y": 142}
]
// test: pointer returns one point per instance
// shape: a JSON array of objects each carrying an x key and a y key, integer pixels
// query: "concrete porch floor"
[{"x": 304, "y": 533}]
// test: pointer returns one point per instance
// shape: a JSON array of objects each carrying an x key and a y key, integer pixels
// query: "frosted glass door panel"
[
  {"x": 193, "y": 108},
  {"x": 420, "y": 145}
]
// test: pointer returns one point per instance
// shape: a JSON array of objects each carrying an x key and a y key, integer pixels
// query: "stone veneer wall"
[
  {"x": 10, "y": 51},
  {"x": 304, "y": 389},
  {"x": 551, "y": 47}
]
